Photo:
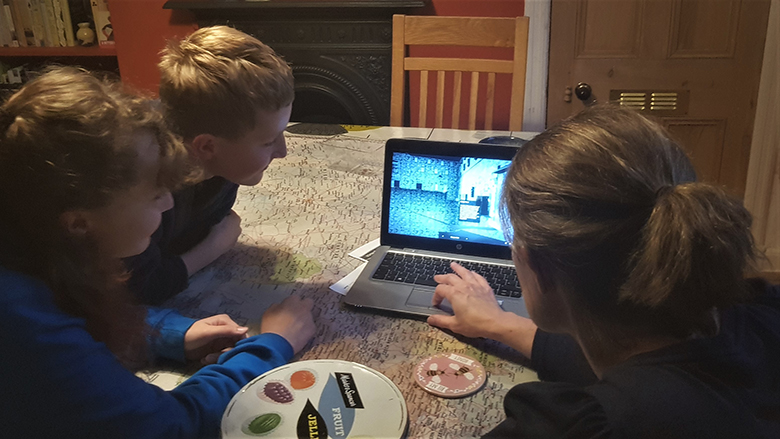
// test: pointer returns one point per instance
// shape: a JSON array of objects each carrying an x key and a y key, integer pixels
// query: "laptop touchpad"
[{"x": 422, "y": 298}]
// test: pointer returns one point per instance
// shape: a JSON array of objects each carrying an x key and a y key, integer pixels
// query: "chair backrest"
[{"x": 458, "y": 31}]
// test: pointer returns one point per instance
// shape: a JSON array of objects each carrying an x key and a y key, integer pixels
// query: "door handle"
[{"x": 583, "y": 91}]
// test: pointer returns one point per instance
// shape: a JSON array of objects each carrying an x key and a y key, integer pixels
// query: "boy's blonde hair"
[{"x": 215, "y": 80}]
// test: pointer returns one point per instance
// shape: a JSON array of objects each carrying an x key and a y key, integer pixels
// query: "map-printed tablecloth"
[{"x": 299, "y": 224}]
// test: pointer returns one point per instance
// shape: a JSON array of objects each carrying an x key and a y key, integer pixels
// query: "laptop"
[{"x": 440, "y": 203}]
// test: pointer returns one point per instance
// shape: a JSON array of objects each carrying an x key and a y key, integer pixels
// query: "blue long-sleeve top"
[{"x": 57, "y": 381}]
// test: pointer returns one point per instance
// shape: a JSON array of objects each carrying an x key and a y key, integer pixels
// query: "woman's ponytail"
[
  {"x": 607, "y": 206},
  {"x": 693, "y": 253}
]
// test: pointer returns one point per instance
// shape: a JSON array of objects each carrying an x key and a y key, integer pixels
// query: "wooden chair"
[{"x": 458, "y": 31}]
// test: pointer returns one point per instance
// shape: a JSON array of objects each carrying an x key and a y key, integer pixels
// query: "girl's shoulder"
[{"x": 19, "y": 287}]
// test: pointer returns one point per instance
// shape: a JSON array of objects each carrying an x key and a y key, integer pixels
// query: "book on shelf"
[
  {"x": 39, "y": 30},
  {"x": 10, "y": 9},
  {"x": 102, "y": 18},
  {"x": 47, "y": 22},
  {"x": 18, "y": 28},
  {"x": 51, "y": 17},
  {"x": 67, "y": 18},
  {"x": 5, "y": 32},
  {"x": 64, "y": 23},
  {"x": 7, "y": 28},
  {"x": 36, "y": 23},
  {"x": 24, "y": 23}
]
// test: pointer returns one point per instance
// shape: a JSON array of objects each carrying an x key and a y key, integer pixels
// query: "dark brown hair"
[
  {"x": 607, "y": 206},
  {"x": 215, "y": 80},
  {"x": 66, "y": 142}
]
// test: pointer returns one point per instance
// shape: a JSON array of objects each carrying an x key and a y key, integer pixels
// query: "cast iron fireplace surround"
[{"x": 340, "y": 51}]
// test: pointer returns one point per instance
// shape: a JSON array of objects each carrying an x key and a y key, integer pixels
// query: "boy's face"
[{"x": 243, "y": 161}]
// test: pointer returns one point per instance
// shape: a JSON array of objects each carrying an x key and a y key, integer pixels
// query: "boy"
[{"x": 229, "y": 96}]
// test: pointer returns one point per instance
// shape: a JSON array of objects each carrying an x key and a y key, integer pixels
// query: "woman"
[
  {"x": 617, "y": 247},
  {"x": 85, "y": 173}
]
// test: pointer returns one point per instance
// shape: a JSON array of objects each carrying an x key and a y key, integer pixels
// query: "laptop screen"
[{"x": 446, "y": 197}]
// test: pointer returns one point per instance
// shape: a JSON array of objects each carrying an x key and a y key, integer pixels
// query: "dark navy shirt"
[{"x": 727, "y": 386}]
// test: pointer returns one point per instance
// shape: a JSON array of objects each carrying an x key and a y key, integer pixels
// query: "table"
[{"x": 299, "y": 224}]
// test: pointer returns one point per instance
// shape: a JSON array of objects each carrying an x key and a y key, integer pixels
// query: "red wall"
[
  {"x": 142, "y": 28},
  {"x": 475, "y": 8},
  {"x": 467, "y": 8}
]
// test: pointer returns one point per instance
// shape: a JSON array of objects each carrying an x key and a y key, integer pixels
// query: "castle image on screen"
[{"x": 447, "y": 197}]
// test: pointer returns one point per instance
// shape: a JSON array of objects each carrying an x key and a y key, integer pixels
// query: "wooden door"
[
  {"x": 695, "y": 64},
  {"x": 762, "y": 194}
]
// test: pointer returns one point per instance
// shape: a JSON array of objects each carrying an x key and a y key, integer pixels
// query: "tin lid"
[
  {"x": 450, "y": 375},
  {"x": 317, "y": 398}
]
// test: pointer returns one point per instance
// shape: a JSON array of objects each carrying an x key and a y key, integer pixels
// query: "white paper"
[
  {"x": 343, "y": 285},
  {"x": 364, "y": 251}
]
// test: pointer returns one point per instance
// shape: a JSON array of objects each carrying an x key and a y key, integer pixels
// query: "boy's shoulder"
[{"x": 204, "y": 190}]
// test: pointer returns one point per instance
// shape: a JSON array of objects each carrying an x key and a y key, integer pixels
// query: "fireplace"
[{"x": 340, "y": 51}]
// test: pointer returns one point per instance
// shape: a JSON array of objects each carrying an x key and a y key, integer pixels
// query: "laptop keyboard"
[{"x": 419, "y": 270}]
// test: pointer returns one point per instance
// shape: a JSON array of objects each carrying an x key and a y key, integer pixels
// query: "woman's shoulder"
[
  {"x": 764, "y": 293},
  {"x": 680, "y": 397},
  {"x": 636, "y": 401},
  {"x": 552, "y": 410}
]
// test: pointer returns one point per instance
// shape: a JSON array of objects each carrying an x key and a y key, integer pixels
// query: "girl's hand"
[{"x": 208, "y": 338}]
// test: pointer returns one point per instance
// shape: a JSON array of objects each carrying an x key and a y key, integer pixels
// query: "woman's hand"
[
  {"x": 476, "y": 309},
  {"x": 208, "y": 338},
  {"x": 477, "y": 312},
  {"x": 292, "y": 320}
]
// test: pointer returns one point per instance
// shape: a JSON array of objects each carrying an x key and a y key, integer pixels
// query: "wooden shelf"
[{"x": 58, "y": 51}]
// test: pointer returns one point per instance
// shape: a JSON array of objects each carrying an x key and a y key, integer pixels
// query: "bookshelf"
[{"x": 46, "y": 30}]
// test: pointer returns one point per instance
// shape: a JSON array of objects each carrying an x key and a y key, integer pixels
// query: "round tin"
[
  {"x": 450, "y": 375},
  {"x": 317, "y": 398}
]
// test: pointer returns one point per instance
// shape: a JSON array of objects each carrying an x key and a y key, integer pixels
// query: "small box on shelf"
[{"x": 102, "y": 18}]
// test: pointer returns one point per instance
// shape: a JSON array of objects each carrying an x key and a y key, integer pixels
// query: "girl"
[
  {"x": 642, "y": 268},
  {"x": 85, "y": 172}
]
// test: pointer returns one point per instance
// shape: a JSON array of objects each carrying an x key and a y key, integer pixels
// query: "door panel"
[
  {"x": 608, "y": 30},
  {"x": 704, "y": 140},
  {"x": 709, "y": 50},
  {"x": 704, "y": 29}
]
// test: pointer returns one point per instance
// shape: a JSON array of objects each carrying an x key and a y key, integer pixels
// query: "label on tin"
[
  {"x": 317, "y": 399},
  {"x": 450, "y": 375}
]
